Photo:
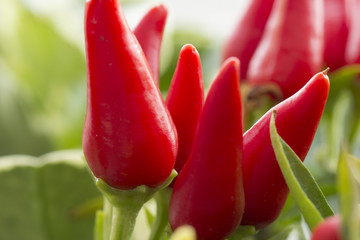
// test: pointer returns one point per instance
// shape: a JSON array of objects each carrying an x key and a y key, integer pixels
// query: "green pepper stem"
[
  {"x": 121, "y": 207},
  {"x": 162, "y": 199},
  {"x": 123, "y": 221}
]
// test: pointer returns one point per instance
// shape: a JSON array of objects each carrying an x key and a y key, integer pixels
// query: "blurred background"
[{"x": 43, "y": 69}]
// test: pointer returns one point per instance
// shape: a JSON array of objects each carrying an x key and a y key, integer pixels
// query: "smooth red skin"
[
  {"x": 291, "y": 50},
  {"x": 248, "y": 32},
  {"x": 353, "y": 45},
  {"x": 149, "y": 33},
  {"x": 335, "y": 33},
  {"x": 129, "y": 138},
  {"x": 329, "y": 229},
  {"x": 297, "y": 120},
  {"x": 185, "y": 100},
  {"x": 208, "y": 193}
]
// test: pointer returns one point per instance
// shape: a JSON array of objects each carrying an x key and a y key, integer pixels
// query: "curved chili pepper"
[
  {"x": 352, "y": 53},
  {"x": 329, "y": 229},
  {"x": 149, "y": 33},
  {"x": 185, "y": 100},
  {"x": 129, "y": 138},
  {"x": 208, "y": 193},
  {"x": 248, "y": 32},
  {"x": 291, "y": 50},
  {"x": 335, "y": 33},
  {"x": 296, "y": 121}
]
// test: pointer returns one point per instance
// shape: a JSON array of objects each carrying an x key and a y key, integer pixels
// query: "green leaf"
[
  {"x": 302, "y": 185},
  {"x": 338, "y": 129},
  {"x": 355, "y": 167},
  {"x": 242, "y": 232},
  {"x": 349, "y": 197},
  {"x": 39, "y": 195},
  {"x": 283, "y": 234}
]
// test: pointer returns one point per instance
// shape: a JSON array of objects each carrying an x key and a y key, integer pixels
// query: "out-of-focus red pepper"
[
  {"x": 248, "y": 32},
  {"x": 297, "y": 120},
  {"x": 208, "y": 193},
  {"x": 291, "y": 50},
  {"x": 329, "y": 229},
  {"x": 185, "y": 100},
  {"x": 149, "y": 33},
  {"x": 129, "y": 138},
  {"x": 335, "y": 33},
  {"x": 353, "y": 44}
]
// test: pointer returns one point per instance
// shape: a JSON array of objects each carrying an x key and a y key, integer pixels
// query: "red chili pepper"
[
  {"x": 353, "y": 44},
  {"x": 185, "y": 100},
  {"x": 329, "y": 229},
  {"x": 129, "y": 138},
  {"x": 335, "y": 33},
  {"x": 246, "y": 37},
  {"x": 149, "y": 33},
  {"x": 208, "y": 193},
  {"x": 291, "y": 50},
  {"x": 297, "y": 120}
]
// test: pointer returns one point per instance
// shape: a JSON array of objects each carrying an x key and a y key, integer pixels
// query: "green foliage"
[
  {"x": 39, "y": 195},
  {"x": 303, "y": 187}
]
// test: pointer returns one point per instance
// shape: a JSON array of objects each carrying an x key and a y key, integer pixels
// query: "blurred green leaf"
[
  {"x": 242, "y": 232},
  {"x": 339, "y": 128},
  {"x": 355, "y": 167},
  {"x": 302, "y": 185},
  {"x": 283, "y": 235},
  {"x": 38, "y": 196},
  {"x": 48, "y": 74},
  {"x": 348, "y": 198}
]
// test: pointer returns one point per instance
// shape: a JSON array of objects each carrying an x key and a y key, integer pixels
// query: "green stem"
[
  {"x": 123, "y": 221},
  {"x": 107, "y": 218},
  {"x": 121, "y": 207},
  {"x": 162, "y": 199}
]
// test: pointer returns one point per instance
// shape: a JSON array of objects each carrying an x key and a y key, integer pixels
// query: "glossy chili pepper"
[
  {"x": 208, "y": 193},
  {"x": 129, "y": 138},
  {"x": 149, "y": 33},
  {"x": 335, "y": 33},
  {"x": 352, "y": 54},
  {"x": 248, "y": 32},
  {"x": 185, "y": 100},
  {"x": 296, "y": 121},
  {"x": 291, "y": 50},
  {"x": 329, "y": 229}
]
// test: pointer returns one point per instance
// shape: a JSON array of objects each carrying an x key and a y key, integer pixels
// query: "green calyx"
[{"x": 121, "y": 208}]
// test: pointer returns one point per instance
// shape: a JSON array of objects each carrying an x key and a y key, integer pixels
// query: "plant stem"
[
  {"x": 162, "y": 214},
  {"x": 123, "y": 221}
]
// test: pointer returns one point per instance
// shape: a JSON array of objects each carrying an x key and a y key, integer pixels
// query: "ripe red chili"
[
  {"x": 149, "y": 33},
  {"x": 291, "y": 50},
  {"x": 208, "y": 192},
  {"x": 335, "y": 33},
  {"x": 248, "y": 32},
  {"x": 353, "y": 44},
  {"x": 129, "y": 138},
  {"x": 329, "y": 229},
  {"x": 297, "y": 120},
  {"x": 185, "y": 100}
]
